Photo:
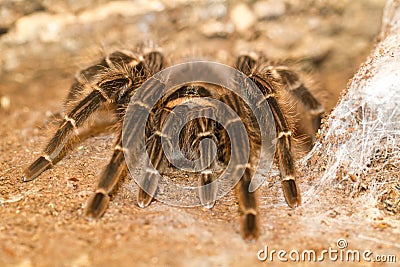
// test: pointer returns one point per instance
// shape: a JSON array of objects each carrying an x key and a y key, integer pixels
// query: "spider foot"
[
  {"x": 208, "y": 194},
  {"x": 291, "y": 192},
  {"x": 97, "y": 205},
  {"x": 250, "y": 229},
  {"x": 143, "y": 198},
  {"x": 36, "y": 168},
  {"x": 147, "y": 189}
]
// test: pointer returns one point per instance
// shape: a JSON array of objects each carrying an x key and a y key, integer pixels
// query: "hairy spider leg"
[
  {"x": 297, "y": 88},
  {"x": 250, "y": 228},
  {"x": 291, "y": 82},
  {"x": 111, "y": 174},
  {"x": 206, "y": 127},
  {"x": 102, "y": 93},
  {"x": 284, "y": 139},
  {"x": 149, "y": 183}
]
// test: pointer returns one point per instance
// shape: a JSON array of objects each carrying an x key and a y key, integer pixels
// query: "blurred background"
[{"x": 49, "y": 40}]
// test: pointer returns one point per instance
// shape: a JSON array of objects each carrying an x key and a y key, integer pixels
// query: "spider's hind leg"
[
  {"x": 246, "y": 63},
  {"x": 65, "y": 132},
  {"x": 296, "y": 86},
  {"x": 101, "y": 85},
  {"x": 291, "y": 81}
]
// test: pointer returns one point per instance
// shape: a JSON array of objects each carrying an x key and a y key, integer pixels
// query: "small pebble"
[
  {"x": 285, "y": 35},
  {"x": 217, "y": 29},
  {"x": 242, "y": 17},
  {"x": 327, "y": 223},
  {"x": 5, "y": 102},
  {"x": 269, "y": 9}
]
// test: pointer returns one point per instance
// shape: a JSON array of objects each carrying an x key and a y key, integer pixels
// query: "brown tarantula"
[{"x": 113, "y": 82}]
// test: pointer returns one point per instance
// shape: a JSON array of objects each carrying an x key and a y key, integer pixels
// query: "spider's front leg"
[
  {"x": 102, "y": 93},
  {"x": 195, "y": 134},
  {"x": 104, "y": 80},
  {"x": 247, "y": 200},
  {"x": 97, "y": 204},
  {"x": 204, "y": 136},
  {"x": 109, "y": 177},
  {"x": 149, "y": 183}
]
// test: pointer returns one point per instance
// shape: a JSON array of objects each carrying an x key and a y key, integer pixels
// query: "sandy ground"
[{"x": 42, "y": 223}]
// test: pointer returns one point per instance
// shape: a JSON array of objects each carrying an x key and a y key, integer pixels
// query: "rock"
[
  {"x": 10, "y": 60},
  {"x": 284, "y": 35},
  {"x": 5, "y": 102},
  {"x": 11, "y": 11},
  {"x": 269, "y": 9},
  {"x": 119, "y": 8},
  {"x": 242, "y": 17},
  {"x": 40, "y": 25},
  {"x": 212, "y": 11},
  {"x": 70, "y": 6},
  {"x": 217, "y": 29}
]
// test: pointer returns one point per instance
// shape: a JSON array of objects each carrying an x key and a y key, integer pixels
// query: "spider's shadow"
[{"x": 104, "y": 127}]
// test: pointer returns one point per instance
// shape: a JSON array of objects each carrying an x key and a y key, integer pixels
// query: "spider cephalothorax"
[{"x": 114, "y": 81}]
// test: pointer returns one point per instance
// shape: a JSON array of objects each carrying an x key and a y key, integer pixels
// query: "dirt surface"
[{"x": 43, "y": 43}]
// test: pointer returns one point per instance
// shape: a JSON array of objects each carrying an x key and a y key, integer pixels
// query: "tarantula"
[{"x": 113, "y": 82}]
